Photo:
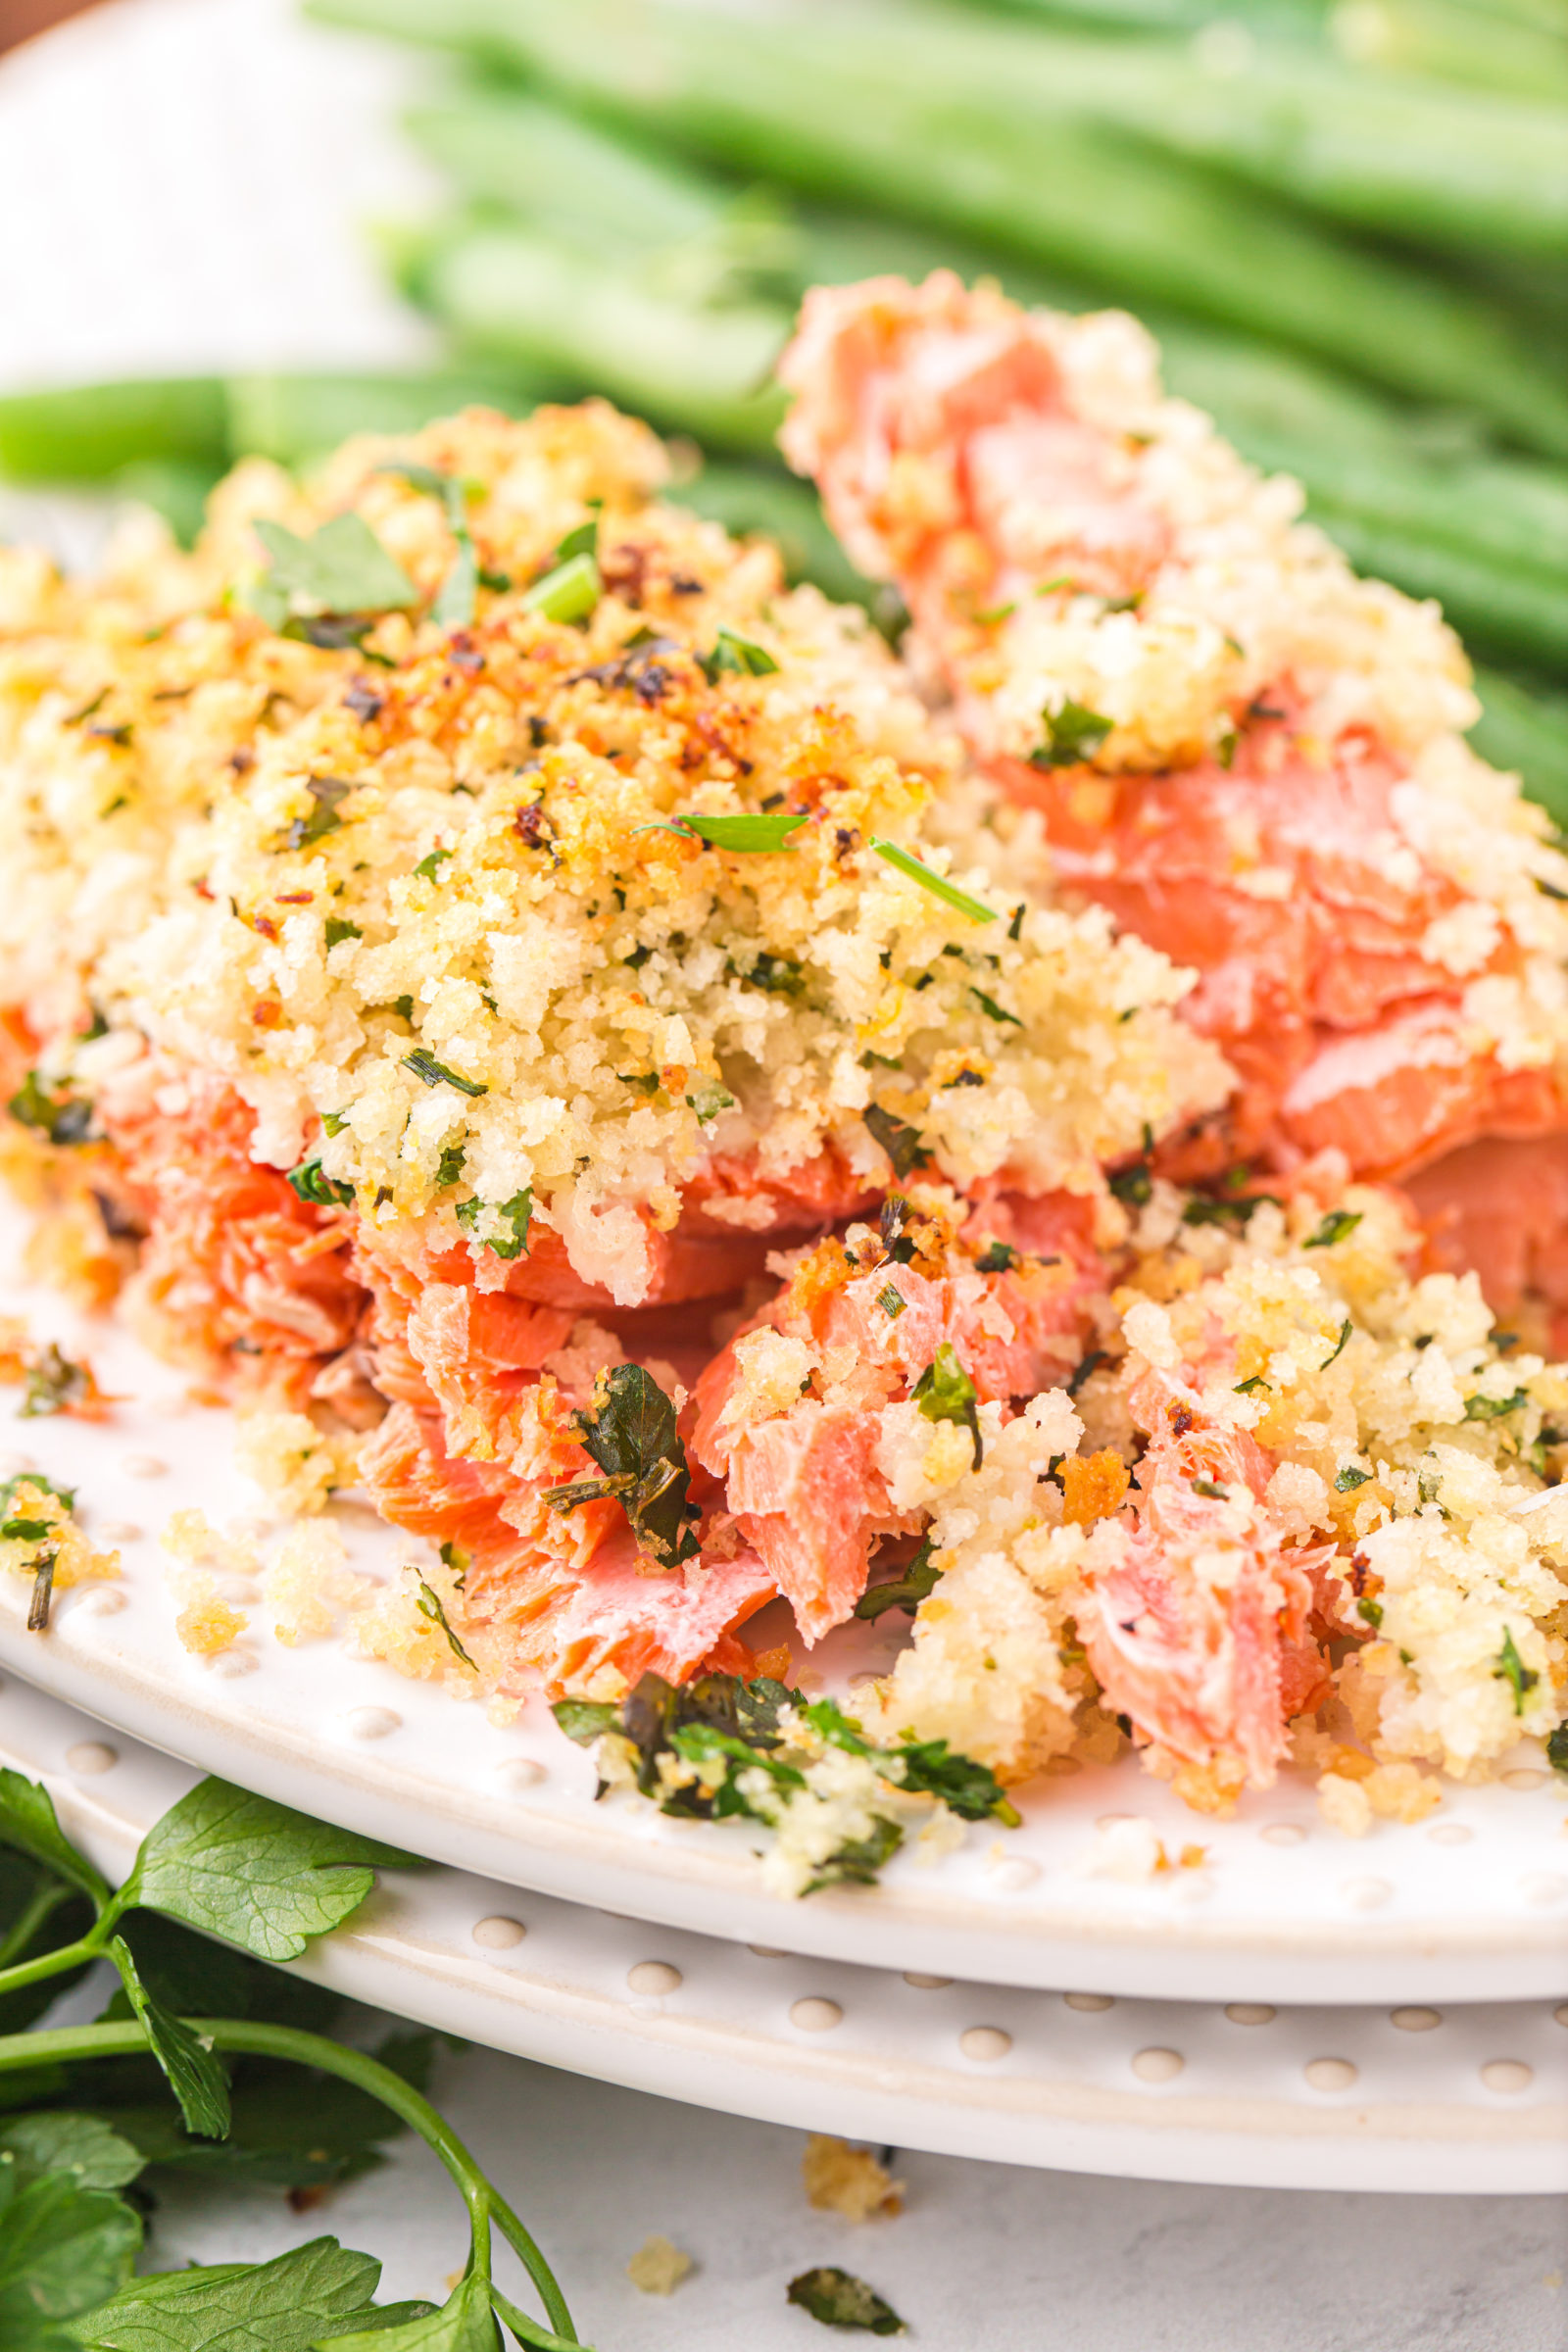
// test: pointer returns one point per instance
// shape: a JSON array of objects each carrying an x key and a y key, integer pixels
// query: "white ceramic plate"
[
  {"x": 134, "y": 141},
  {"x": 1471, "y": 1905},
  {"x": 1471, "y": 2099}
]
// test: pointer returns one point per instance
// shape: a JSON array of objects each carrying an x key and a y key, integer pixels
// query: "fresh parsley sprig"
[{"x": 265, "y": 1880}]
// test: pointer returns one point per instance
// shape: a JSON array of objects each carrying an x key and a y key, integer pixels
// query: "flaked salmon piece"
[
  {"x": 237, "y": 1275},
  {"x": 1500, "y": 1206},
  {"x": 563, "y": 1618},
  {"x": 1249, "y": 758},
  {"x": 789, "y": 1416},
  {"x": 1195, "y": 1614}
]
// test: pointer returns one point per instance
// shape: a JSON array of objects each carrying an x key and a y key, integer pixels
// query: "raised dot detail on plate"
[
  {"x": 1524, "y": 1776},
  {"x": 519, "y": 1773},
  {"x": 497, "y": 1935},
  {"x": 1330, "y": 2074},
  {"x": 1014, "y": 1874},
  {"x": 1560, "y": 2013},
  {"x": 230, "y": 1663},
  {"x": 654, "y": 1977},
  {"x": 1283, "y": 1833},
  {"x": 372, "y": 1723},
  {"x": 1251, "y": 2012},
  {"x": 97, "y": 1601},
  {"x": 1416, "y": 2021},
  {"x": 1111, "y": 1821},
  {"x": 1366, "y": 1895},
  {"x": 1544, "y": 1886},
  {"x": 1089, "y": 2000},
  {"x": 768, "y": 1951},
  {"x": 1451, "y": 1832},
  {"x": 986, "y": 2042},
  {"x": 143, "y": 1465},
  {"x": 1158, "y": 2066},
  {"x": 1507, "y": 2074},
  {"x": 119, "y": 1531},
  {"x": 815, "y": 2015},
  {"x": 923, "y": 1982},
  {"x": 93, "y": 1756}
]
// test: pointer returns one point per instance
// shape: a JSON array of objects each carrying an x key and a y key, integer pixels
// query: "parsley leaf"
[
  {"x": 338, "y": 928},
  {"x": 288, "y": 2304},
  {"x": 568, "y": 594},
  {"x": 338, "y": 572},
  {"x": 990, "y": 1006},
  {"x": 55, "y": 1111},
  {"x": 1349, "y": 1478},
  {"x": 1203, "y": 1209},
  {"x": 195, "y": 2076},
  {"x": 903, "y": 1143},
  {"x": 1510, "y": 1668},
  {"x": 891, "y": 1301},
  {"x": 708, "y": 1100},
  {"x": 429, "y": 868},
  {"x": 328, "y": 793},
  {"x": 760, "y": 832},
  {"x": 54, "y": 1384},
  {"x": 1336, "y": 1225},
  {"x": 841, "y": 2300},
  {"x": 62, "y": 2248},
  {"x": 906, "y": 1591},
  {"x": 1072, "y": 734},
  {"x": 997, "y": 1258},
  {"x": 1558, "y": 1748},
  {"x": 630, "y": 1430},
  {"x": 57, "y": 2141},
  {"x": 310, "y": 1182},
  {"x": 945, "y": 1392},
  {"x": 779, "y": 975},
  {"x": 916, "y": 871},
  {"x": 518, "y": 1213},
  {"x": 435, "y": 1073},
  {"x": 253, "y": 1872},
  {"x": 1494, "y": 1408},
  {"x": 27, "y": 1820},
  {"x": 741, "y": 656},
  {"x": 463, "y": 2325}
]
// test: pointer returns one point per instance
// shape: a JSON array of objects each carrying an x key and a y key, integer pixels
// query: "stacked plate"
[{"x": 1284, "y": 2006}]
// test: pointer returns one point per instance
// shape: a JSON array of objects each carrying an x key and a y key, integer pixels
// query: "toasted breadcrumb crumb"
[
  {"x": 657, "y": 2266},
  {"x": 847, "y": 2180},
  {"x": 1345, "y": 1804},
  {"x": 297, "y": 1466}
]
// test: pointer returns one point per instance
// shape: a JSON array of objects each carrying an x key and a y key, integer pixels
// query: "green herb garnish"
[
  {"x": 1370, "y": 1613},
  {"x": 1250, "y": 1385},
  {"x": 630, "y": 1430},
  {"x": 892, "y": 1302},
  {"x": 429, "y": 868},
  {"x": 1557, "y": 1747},
  {"x": 904, "y": 1592},
  {"x": 1349, "y": 1478},
  {"x": 997, "y": 1258},
  {"x": 741, "y": 656},
  {"x": 327, "y": 792},
  {"x": 568, "y": 594},
  {"x": 435, "y": 1073},
  {"x": 517, "y": 1213},
  {"x": 1333, "y": 1228},
  {"x": 841, "y": 2300},
  {"x": 780, "y": 975},
  {"x": 945, "y": 1392},
  {"x": 310, "y": 1182},
  {"x": 54, "y": 1384},
  {"x": 759, "y": 832},
  {"x": 903, "y": 1143},
  {"x": 455, "y": 600},
  {"x": 1203, "y": 1209},
  {"x": 1208, "y": 1490},
  {"x": 708, "y": 1100},
  {"x": 429, "y": 1605},
  {"x": 1494, "y": 1408},
  {"x": 1072, "y": 735},
  {"x": 341, "y": 573},
  {"x": 54, "y": 1110},
  {"x": 990, "y": 1006},
  {"x": 1510, "y": 1668},
  {"x": 1340, "y": 1344},
  {"x": 916, "y": 871},
  {"x": 338, "y": 928}
]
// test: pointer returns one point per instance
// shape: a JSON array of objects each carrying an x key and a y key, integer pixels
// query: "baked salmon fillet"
[
  {"x": 468, "y": 908},
  {"x": 1251, "y": 757}
]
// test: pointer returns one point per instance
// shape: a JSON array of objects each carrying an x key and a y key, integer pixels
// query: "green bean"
[
  {"x": 1526, "y": 731},
  {"x": 508, "y": 292},
  {"x": 748, "y": 498},
  {"x": 897, "y": 114},
  {"x": 89, "y": 432},
  {"x": 1510, "y": 614},
  {"x": 298, "y": 418}
]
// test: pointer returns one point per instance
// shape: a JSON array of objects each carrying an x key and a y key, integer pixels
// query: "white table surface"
[
  {"x": 984, "y": 2258},
  {"x": 101, "y": 129}
]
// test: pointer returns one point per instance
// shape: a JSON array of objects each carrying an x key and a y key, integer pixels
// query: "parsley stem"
[
  {"x": 35, "y": 1915},
  {"x": 66, "y": 2043},
  {"x": 52, "y": 1964},
  {"x": 529, "y": 2331}
]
